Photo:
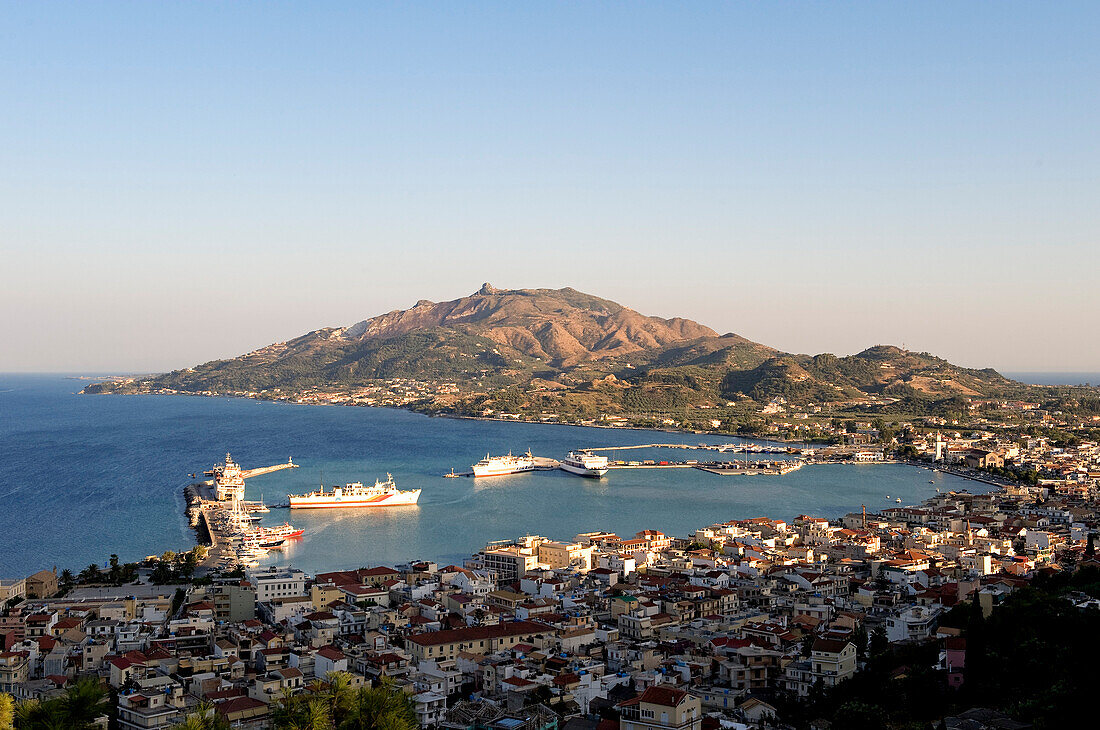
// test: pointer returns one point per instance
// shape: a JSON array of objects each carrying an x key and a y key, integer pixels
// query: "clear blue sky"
[{"x": 185, "y": 181}]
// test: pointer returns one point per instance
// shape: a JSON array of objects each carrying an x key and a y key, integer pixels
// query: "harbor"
[{"x": 217, "y": 510}]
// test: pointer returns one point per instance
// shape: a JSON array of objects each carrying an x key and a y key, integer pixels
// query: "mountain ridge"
[{"x": 562, "y": 350}]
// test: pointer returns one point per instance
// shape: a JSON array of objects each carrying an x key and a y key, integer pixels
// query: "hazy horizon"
[{"x": 182, "y": 183}]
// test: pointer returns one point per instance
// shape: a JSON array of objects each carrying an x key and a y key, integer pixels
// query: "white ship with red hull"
[{"x": 382, "y": 494}]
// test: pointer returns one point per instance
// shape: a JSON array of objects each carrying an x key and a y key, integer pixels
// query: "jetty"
[
  {"x": 258, "y": 471},
  {"x": 722, "y": 448}
]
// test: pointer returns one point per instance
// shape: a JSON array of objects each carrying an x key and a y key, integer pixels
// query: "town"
[{"x": 746, "y": 623}]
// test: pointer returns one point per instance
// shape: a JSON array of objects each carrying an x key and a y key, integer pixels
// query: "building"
[
  {"x": 439, "y": 645},
  {"x": 10, "y": 589},
  {"x": 275, "y": 582},
  {"x": 555, "y": 554},
  {"x": 661, "y": 707},
  {"x": 234, "y": 602},
  {"x": 42, "y": 584},
  {"x": 510, "y": 562}
]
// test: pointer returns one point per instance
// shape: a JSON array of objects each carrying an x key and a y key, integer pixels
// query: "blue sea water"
[
  {"x": 82, "y": 477},
  {"x": 1056, "y": 378}
]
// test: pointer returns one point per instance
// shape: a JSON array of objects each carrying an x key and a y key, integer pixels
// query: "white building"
[{"x": 275, "y": 582}]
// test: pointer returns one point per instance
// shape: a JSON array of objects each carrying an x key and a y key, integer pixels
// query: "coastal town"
[{"x": 744, "y": 623}]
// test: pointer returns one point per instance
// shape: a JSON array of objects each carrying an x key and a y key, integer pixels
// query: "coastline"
[{"x": 461, "y": 417}]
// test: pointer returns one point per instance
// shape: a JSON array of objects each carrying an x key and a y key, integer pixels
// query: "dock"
[
  {"x": 721, "y": 468},
  {"x": 721, "y": 448},
  {"x": 258, "y": 471}
]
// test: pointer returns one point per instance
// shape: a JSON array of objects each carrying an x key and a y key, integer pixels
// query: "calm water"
[{"x": 85, "y": 476}]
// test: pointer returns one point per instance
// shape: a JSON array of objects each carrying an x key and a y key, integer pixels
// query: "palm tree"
[
  {"x": 84, "y": 701},
  {"x": 35, "y": 715},
  {"x": 7, "y": 712},
  {"x": 315, "y": 716},
  {"x": 204, "y": 717},
  {"x": 337, "y": 694},
  {"x": 380, "y": 708}
]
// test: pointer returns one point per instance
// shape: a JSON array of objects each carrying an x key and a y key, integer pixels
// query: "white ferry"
[
  {"x": 492, "y": 466},
  {"x": 382, "y": 494},
  {"x": 585, "y": 464},
  {"x": 228, "y": 480}
]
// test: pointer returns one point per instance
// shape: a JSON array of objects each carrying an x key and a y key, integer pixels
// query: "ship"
[
  {"x": 585, "y": 464},
  {"x": 494, "y": 466},
  {"x": 228, "y": 480},
  {"x": 382, "y": 494}
]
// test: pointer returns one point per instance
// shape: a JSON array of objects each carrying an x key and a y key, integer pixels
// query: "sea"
[{"x": 86, "y": 476}]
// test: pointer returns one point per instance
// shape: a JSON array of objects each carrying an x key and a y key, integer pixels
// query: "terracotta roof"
[{"x": 475, "y": 633}]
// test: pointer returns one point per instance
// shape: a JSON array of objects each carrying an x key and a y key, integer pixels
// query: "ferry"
[
  {"x": 585, "y": 464},
  {"x": 493, "y": 466},
  {"x": 228, "y": 480},
  {"x": 382, "y": 494}
]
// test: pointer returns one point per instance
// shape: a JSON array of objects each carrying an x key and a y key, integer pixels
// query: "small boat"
[
  {"x": 898, "y": 500},
  {"x": 931, "y": 481}
]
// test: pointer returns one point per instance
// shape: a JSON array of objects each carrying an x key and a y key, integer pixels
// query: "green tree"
[
  {"x": 203, "y": 717},
  {"x": 7, "y": 712},
  {"x": 115, "y": 574},
  {"x": 77, "y": 709},
  {"x": 879, "y": 641},
  {"x": 859, "y": 636},
  {"x": 380, "y": 708},
  {"x": 83, "y": 702},
  {"x": 89, "y": 574},
  {"x": 337, "y": 694}
]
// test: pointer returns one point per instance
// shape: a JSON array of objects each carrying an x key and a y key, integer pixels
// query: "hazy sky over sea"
[{"x": 186, "y": 181}]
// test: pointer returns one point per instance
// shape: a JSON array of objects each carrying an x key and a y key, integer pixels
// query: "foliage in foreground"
[
  {"x": 77, "y": 709},
  {"x": 335, "y": 706},
  {"x": 1034, "y": 658}
]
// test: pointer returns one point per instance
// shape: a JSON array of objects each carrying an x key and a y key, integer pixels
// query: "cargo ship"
[
  {"x": 494, "y": 466},
  {"x": 382, "y": 494},
  {"x": 585, "y": 464}
]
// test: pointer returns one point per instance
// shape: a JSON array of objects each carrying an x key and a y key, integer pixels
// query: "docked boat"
[
  {"x": 381, "y": 494},
  {"x": 494, "y": 466},
  {"x": 585, "y": 464},
  {"x": 228, "y": 480}
]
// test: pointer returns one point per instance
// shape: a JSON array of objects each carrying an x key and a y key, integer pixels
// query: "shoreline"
[{"x": 460, "y": 417}]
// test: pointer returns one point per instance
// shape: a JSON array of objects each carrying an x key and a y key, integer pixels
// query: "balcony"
[{"x": 634, "y": 715}]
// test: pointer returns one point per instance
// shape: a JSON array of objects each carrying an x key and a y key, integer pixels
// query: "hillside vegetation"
[{"x": 562, "y": 351}]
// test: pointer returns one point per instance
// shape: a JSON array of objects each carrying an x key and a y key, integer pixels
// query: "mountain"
[{"x": 562, "y": 351}]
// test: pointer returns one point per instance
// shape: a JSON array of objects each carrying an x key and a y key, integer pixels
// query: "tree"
[
  {"x": 115, "y": 574},
  {"x": 83, "y": 702},
  {"x": 1090, "y": 546},
  {"x": 204, "y": 717},
  {"x": 7, "y": 712},
  {"x": 77, "y": 709},
  {"x": 380, "y": 708},
  {"x": 859, "y": 636},
  {"x": 879, "y": 641},
  {"x": 67, "y": 578},
  {"x": 337, "y": 694},
  {"x": 89, "y": 574}
]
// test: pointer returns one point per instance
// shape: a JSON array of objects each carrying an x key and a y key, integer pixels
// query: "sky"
[{"x": 186, "y": 181}]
